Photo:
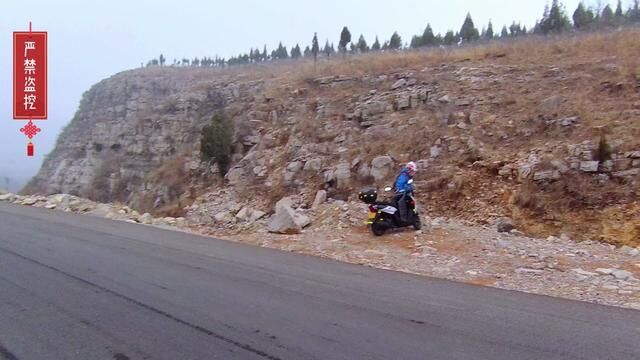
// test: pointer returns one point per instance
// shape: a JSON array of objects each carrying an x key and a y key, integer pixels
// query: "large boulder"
[
  {"x": 235, "y": 176},
  {"x": 249, "y": 215},
  {"x": 403, "y": 101},
  {"x": 243, "y": 214},
  {"x": 343, "y": 175},
  {"x": 589, "y": 166},
  {"x": 29, "y": 201},
  {"x": 256, "y": 215},
  {"x": 7, "y": 197},
  {"x": 59, "y": 200},
  {"x": 294, "y": 167},
  {"x": 381, "y": 167},
  {"x": 551, "y": 104},
  {"x": 291, "y": 170},
  {"x": 504, "y": 225},
  {"x": 283, "y": 222},
  {"x": 313, "y": 165},
  {"x": 284, "y": 203},
  {"x": 364, "y": 171},
  {"x": 146, "y": 219},
  {"x": 287, "y": 221},
  {"x": 223, "y": 217},
  {"x": 398, "y": 84},
  {"x": 321, "y": 198},
  {"x": 373, "y": 108}
]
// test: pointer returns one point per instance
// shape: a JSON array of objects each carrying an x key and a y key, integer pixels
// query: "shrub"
[
  {"x": 216, "y": 142},
  {"x": 604, "y": 149}
]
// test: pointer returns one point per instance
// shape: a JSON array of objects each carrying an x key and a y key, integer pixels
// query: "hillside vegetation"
[{"x": 541, "y": 129}]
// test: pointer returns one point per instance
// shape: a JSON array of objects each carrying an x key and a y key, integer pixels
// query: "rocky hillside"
[{"x": 544, "y": 131}]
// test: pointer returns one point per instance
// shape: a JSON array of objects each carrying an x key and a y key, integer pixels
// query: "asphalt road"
[{"x": 79, "y": 287}]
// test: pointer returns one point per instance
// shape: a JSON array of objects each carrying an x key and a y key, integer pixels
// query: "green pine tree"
[
  {"x": 216, "y": 142},
  {"x": 515, "y": 29},
  {"x": 607, "y": 18},
  {"x": 489, "y": 33},
  {"x": 468, "y": 31},
  {"x": 416, "y": 42},
  {"x": 504, "y": 33},
  {"x": 450, "y": 38},
  {"x": 395, "y": 42},
  {"x": 582, "y": 18},
  {"x": 376, "y": 45},
  {"x": 315, "y": 47},
  {"x": 295, "y": 52},
  {"x": 327, "y": 49},
  {"x": 345, "y": 39},
  {"x": 362, "y": 45},
  {"x": 634, "y": 13},
  {"x": 428, "y": 38},
  {"x": 554, "y": 19},
  {"x": 619, "y": 12}
]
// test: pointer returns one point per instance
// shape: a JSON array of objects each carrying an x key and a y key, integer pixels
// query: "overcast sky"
[{"x": 89, "y": 41}]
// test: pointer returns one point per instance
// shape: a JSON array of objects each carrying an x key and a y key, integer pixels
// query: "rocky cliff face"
[
  {"x": 129, "y": 126},
  {"x": 551, "y": 141}
]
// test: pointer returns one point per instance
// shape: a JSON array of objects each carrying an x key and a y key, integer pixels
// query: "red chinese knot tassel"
[{"x": 30, "y": 149}]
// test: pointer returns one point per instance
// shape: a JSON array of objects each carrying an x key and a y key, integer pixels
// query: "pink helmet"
[{"x": 411, "y": 166}]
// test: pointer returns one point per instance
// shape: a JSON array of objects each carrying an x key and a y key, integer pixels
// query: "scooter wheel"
[
  {"x": 417, "y": 223},
  {"x": 378, "y": 229}
]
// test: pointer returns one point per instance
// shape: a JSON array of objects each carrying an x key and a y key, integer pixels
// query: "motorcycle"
[{"x": 385, "y": 215}]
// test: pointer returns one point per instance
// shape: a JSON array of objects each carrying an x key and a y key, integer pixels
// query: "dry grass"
[
  {"x": 574, "y": 48},
  {"x": 173, "y": 177},
  {"x": 598, "y": 77}
]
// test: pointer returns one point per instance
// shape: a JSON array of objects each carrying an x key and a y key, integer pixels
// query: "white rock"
[
  {"x": 146, "y": 218},
  {"x": 630, "y": 251},
  {"x": 435, "y": 151},
  {"x": 222, "y": 217},
  {"x": 256, "y": 215},
  {"x": 583, "y": 272},
  {"x": 398, "y": 84},
  {"x": 7, "y": 197},
  {"x": 633, "y": 305},
  {"x": 284, "y": 222},
  {"x": 622, "y": 274},
  {"x": 295, "y": 166},
  {"x": 321, "y": 198},
  {"x": 589, "y": 166},
  {"x": 243, "y": 214},
  {"x": 529, "y": 271},
  {"x": 284, "y": 203},
  {"x": 343, "y": 175},
  {"x": 604, "y": 271},
  {"x": 445, "y": 99},
  {"x": 29, "y": 201},
  {"x": 313, "y": 165},
  {"x": 60, "y": 199}
]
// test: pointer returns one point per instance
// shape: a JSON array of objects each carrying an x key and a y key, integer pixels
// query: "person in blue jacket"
[
  {"x": 402, "y": 181},
  {"x": 403, "y": 188}
]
